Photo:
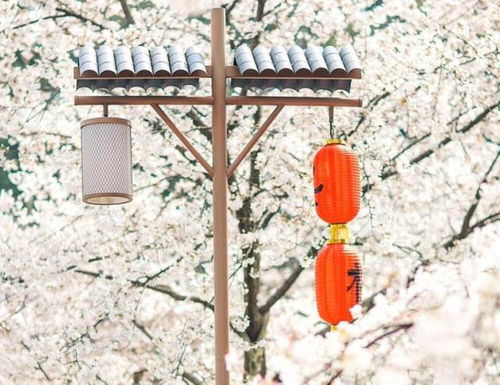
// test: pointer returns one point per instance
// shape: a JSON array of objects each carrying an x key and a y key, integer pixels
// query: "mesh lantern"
[
  {"x": 106, "y": 161},
  {"x": 336, "y": 182},
  {"x": 338, "y": 283}
]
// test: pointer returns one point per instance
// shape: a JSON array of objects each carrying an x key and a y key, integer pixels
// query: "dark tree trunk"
[
  {"x": 255, "y": 363},
  {"x": 255, "y": 358}
]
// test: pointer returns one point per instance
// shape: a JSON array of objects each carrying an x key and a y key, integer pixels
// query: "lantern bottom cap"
[{"x": 107, "y": 199}]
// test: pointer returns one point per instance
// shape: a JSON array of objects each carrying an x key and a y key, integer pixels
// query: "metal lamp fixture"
[{"x": 106, "y": 161}]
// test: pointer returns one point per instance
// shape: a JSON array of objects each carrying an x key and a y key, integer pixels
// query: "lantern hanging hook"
[
  {"x": 105, "y": 110},
  {"x": 330, "y": 119}
]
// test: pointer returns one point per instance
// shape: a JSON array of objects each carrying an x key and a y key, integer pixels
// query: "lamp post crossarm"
[
  {"x": 143, "y": 100},
  {"x": 310, "y": 101},
  {"x": 298, "y": 101},
  {"x": 255, "y": 138}
]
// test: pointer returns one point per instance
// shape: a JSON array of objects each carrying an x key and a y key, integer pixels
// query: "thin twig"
[
  {"x": 403, "y": 326},
  {"x": 285, "y": 286},
  {"x": 142, "y": 329},
  {"x": 164, "y": 289},
  {"x": 126, "y": 11},
  {"x": 466, "y": 227},
  {"x": 64, "y": 13},
  {"x": 479, "y": 118}
]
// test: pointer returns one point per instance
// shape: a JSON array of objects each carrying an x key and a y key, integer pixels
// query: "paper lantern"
[
  {"x": 106, "y": 161},
  {"x": 338, "y": 283},
  {"x": 336, "y": 182}
]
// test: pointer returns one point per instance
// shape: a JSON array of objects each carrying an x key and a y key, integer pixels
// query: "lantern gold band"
[
  {"x": 339, "y": 233},
  {"x": 107, "y": 198},
  {"x": 335, "y": 141},
  {"x": 120, "y": 121}
]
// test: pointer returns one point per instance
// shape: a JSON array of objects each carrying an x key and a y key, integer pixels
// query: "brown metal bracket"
[
  {"x": 243, "y": 154},
  {"x": 183, "y": 139}
]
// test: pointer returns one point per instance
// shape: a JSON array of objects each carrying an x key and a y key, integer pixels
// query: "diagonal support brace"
[
  {"x": 243, "y": 154},
  {"x": 183, "y": 139}
]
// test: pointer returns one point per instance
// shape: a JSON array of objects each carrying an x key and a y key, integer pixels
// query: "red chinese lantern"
[
  {"x": 338, "y": 282},
  {"x": 336, "y": 182},
  {"x": 337, "y": 198}
]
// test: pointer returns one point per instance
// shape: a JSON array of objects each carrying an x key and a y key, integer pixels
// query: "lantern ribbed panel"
[
  {"x": 106, "y": 161},
  {"x": 338, "y": 283},
  {"x": 336, "y": 183}
]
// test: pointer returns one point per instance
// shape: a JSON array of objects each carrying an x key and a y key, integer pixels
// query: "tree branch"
[
  {"x": 445, "y": 141},
  {"x": 371, "y": 104},
  {"x": 230, "y": 8},
  {"x": 415, "y": 142},
  {"x": 64, "y": 13},
  {"x": 137, "y": 376},
  {"x": 478, "y": 119},
  {"x": 397, "y": 328},
  {"x": 142, "y": 329},
  {"x": 126, "y": 11},
  {"x": 466, "y": 227},
  {"x": 393, "y": 329},
  {"x": 38, "y": 363},
  {"x": 281, "y": 291},
  {"x": 285, "y": 286},
  {"x": 260, "y": 15},
  {"x": 192, "y": 378},
  {"x": 164, "y": 289},
  {"x": 495, "y": 217}
]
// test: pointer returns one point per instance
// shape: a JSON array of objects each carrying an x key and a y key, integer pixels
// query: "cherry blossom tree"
[{"x": 123, "y": 295}]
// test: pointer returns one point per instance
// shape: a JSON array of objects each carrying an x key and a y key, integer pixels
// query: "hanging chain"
[{"x": 330, "y": 119}]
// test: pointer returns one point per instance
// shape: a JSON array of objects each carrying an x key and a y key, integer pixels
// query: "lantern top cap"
[
  {"x": 335, "y": 141},
  {"x": 105, "y": 119}
]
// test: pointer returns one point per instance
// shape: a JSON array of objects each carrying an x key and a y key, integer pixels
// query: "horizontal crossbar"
[
  {"x": 143, "y": 100},
  {"x": 208, "y": 100},
  {"x": 292, "y": 101}
]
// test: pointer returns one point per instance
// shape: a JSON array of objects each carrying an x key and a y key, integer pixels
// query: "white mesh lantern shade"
[{"x": 106, "y": 161}]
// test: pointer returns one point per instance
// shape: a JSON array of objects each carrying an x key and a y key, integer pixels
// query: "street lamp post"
[{"x": 219, "y": 171}]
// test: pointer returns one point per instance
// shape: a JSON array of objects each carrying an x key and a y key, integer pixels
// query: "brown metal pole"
[{"x": 219, "y": 154}]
